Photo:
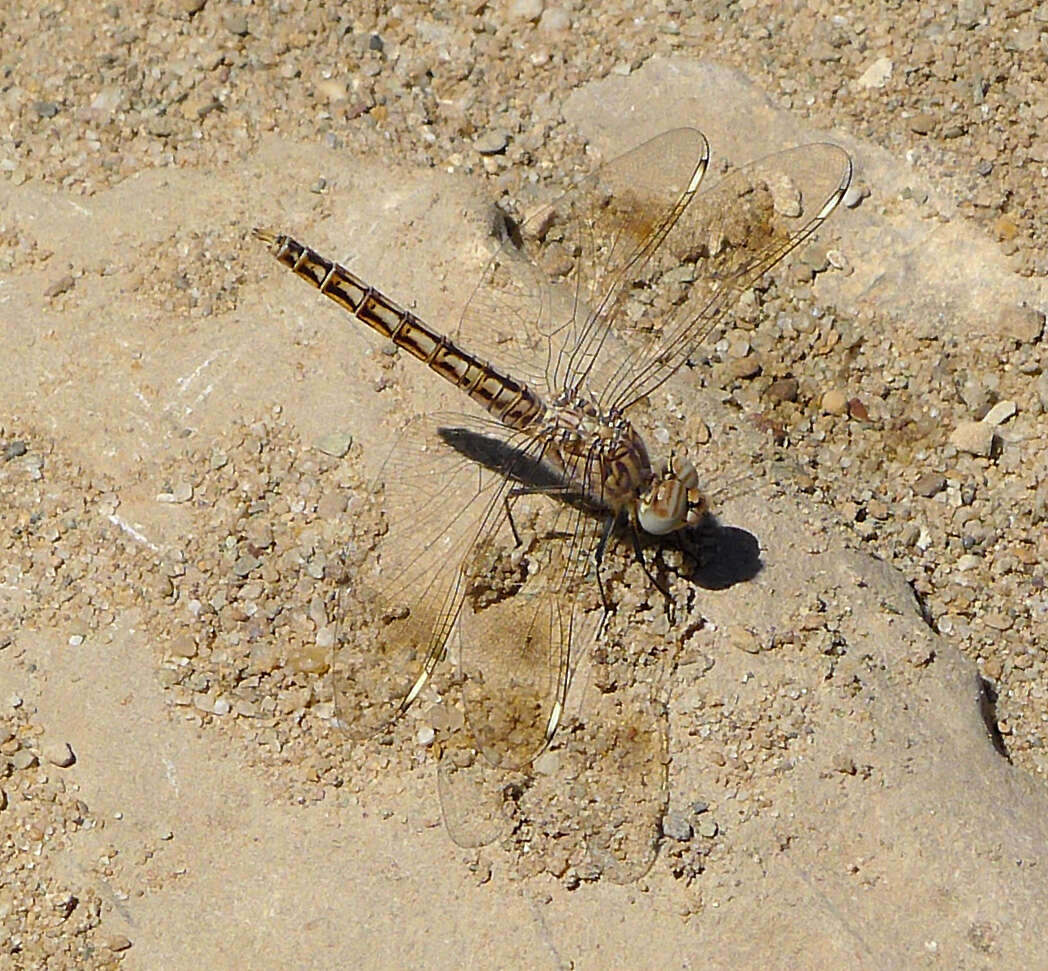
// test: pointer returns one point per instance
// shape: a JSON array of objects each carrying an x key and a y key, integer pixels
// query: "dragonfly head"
[{"x": 673, "y": 501}]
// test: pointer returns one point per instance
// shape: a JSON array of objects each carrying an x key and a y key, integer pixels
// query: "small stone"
[
  {"x": 993, "y": 668},
  {"x": 554, "y": 20},
  {"x": 426, "y": 736},
  {"x": 332, "y": 504},
  {"x": 491, "y": 142},
  {"x": 744, "y": 367},
  {"x": 1006, "y": 228},
  {"x": 742, "y": 639},
  {"x": 14, "y": 450},
  {"x": 976, "y": 396},
  {"x": 117, "y": 942},
  {"x": 245, "y": 564},
  {"x": 675, "y": 826},
  {"x": 1021, "y": 40},
  {"x": 23, "y": 759},
  {"x": 973, "y": 437},
  {"x": 182, "y": 645},
  {"x": 259, "y": 534},
  {"x": 708, "y": 829},
  {"x": 783, "y": 389},
  {"x": 182, "y": 492},
  {"x": 331, "y": 90},
  {"x": 335, "y": 444},
  {"x": 876, "y": 75},
  {"x": 58, "y": 753},
  {"x": 1000, "y": 413},
  {"x": 970, "y": 12},
  {"x": 922, "y": 123},
  {"x": 854, "y": 195},
  {"x": 995, "y": 620},
  {"x": 61, "y": 285},
  {"x": 1023, "y": 324},
  {"x": 526, "y": 9},
  {"x": 1042, "y": 390},
  {"x": 834, "y": 402},
  {"x": 236, "y": 23},
  {"x": 190, "y": 7},
  {"x": 930, "y": 484},
  {"x": 878, "y": 509},
  {"x": 857, "y": 410}
]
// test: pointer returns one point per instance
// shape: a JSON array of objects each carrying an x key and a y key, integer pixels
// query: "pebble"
[
  {"x": 62, "y": 285},
  {"x": 876, "y": 75},
  {"x": 554, "y": 20},
  {"x": 675, "y": 826},
  {"x": 708, "y": 829},
  {"x": 998, "y": 621},
  {"x": 930, "y": 484},
  {"x": 1000, "y": 413},
  {"x": 491, "y": 143},
  {"x": 783, "y": 389},
  {"x": 834, "y": 402},
  {"x": 246, "y": 564},
  {"x": 742, "y": 639},
  {"x": 425, "y": 736},
  {"x": 922, "y": 123},
  {"x": 23, "y": 759},
  {"x": 744, "y": 367},
  {"x": 854, "y": 195},
  {"x": 14, "y": 450},
  {"x": 58, "y": 753},
  {"x": 335, "y": 443},
  {"x": 973, "y": 437},
  {"x": 526, "y": 9}
]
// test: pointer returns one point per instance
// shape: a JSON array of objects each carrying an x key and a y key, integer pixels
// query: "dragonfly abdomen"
[{"x": 508, "y": 400}]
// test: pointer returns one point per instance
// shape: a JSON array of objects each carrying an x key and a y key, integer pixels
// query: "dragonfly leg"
[
  {"x": 507, "y": 502},
  {"x": 655, "y": 582},
  {"x": 598, "y": 557},
  {"x": 517, "y": 491}
]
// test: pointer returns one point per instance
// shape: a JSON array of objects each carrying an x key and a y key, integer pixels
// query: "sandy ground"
[{"x": 854, "y": 686}]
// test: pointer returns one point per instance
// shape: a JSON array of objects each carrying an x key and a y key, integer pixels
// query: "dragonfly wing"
[
  {"x": 404, "y": 588},
  {"x": 518, "y": 624},
  {"x": 723, "y": 241},
  {"x": 545, "y": 304}
]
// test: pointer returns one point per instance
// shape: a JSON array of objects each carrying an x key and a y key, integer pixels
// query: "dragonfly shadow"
[
  {"x": 528, "y": 471},
  {"x": 717, "y": 556}
]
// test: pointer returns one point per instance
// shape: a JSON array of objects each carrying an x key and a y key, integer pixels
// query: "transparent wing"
[
  {"x": 725, "y": 238},
  {"x": 546, "y": 302},
  {"x": 404, "y": 588},
  {"x": 446, "y": 570},
  {"x": 639, "y": 249}
]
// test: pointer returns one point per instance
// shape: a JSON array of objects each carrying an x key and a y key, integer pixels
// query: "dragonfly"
[{"x": 496, "y": 519}]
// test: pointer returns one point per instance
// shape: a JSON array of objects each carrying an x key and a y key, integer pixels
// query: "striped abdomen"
[{"x": 508, "y": 400}]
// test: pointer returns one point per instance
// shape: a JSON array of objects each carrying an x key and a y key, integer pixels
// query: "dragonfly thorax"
[{"x": 606, "y": 455}]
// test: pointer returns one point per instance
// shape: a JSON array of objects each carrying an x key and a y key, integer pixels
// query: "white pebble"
[
  {"x": 526, "y": 9},
  {"x": 1000, "y": 413},
  {"x": 973, "y": 437}
]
